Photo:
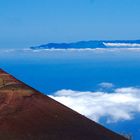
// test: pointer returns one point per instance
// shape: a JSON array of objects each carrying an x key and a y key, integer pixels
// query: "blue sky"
[{"x": 24, "y": 23}]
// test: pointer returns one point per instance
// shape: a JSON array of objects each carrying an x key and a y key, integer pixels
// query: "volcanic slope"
[{"x": 26, "y": 114}]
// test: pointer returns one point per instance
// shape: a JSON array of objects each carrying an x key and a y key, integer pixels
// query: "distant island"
[{"x": 91, "y": 44}]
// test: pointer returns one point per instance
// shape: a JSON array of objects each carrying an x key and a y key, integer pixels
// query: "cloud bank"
[
  {"x": 97, "y": 50},
  {"x": 121, "y": 104},
  {"x": 122, "y": 44}
]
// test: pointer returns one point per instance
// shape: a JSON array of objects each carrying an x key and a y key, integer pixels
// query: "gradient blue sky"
[{"x": 24, "y": 23}]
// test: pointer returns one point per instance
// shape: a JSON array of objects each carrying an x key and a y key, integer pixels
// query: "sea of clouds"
[
  {"x": 26, "y": 50},
  {"x": 119, "y": 105}
]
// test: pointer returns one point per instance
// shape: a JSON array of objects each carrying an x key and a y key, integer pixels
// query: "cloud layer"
[
  {"x": 121, "y": 104},
  {"x": 122, "y": 44},
  {"x": 111, "y": 49}
]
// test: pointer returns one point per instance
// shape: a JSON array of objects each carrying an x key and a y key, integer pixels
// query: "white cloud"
[
  {"x": 122, "y": 44},
  {"x": 96, "y": 50},
  {"x": 106, "y": 85},
  {"x": 122, "y": 104}
]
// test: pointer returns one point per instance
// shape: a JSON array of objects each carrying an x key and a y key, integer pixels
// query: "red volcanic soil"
[{"x": 26, "y": 114}]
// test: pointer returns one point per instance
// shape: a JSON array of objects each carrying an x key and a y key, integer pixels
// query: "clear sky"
[{"x": 25, "y": 23}]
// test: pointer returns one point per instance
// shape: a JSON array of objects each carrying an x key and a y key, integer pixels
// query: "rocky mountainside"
[{"x": 26, "y": 114}]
